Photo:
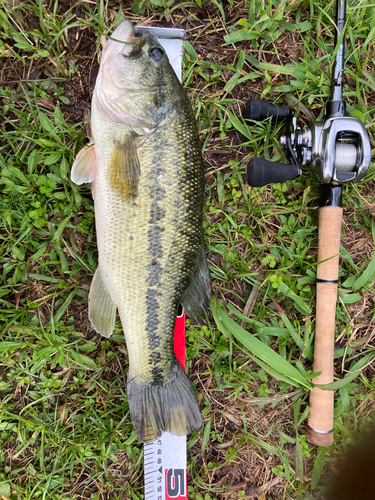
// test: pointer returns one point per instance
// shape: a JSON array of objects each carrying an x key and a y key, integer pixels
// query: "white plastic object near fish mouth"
[{"x": 171, "y": 40}]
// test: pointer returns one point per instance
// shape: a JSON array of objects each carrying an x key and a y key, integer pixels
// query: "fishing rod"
[{"x": 337, "y": 151}]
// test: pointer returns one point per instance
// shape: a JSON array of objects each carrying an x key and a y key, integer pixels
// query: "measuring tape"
[
  {"x": 165, "y": 468},
  {"x": 165, "y": 458}
]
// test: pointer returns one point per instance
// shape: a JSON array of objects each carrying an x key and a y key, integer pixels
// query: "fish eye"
[{"x": 156, "y": 53}]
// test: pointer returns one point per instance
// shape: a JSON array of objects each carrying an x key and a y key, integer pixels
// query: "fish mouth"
[{"x": 123, "y": 37}]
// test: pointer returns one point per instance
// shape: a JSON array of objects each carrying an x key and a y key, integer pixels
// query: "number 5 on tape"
[{"x": 165, "y": 468}]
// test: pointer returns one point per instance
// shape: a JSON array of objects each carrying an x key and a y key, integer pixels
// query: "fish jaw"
[
  {"x": 108, "y": 89},
  {"x": 125, "y": 35}
]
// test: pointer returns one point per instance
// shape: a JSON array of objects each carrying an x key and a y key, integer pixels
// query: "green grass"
[{"x": 65, "y": 430}]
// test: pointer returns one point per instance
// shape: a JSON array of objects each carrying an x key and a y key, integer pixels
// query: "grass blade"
[
  {"x": 299, "y": 303},
  {"x": 366, "y": 276},
  {"x": 318, "y": 466},
  {"x": 255, "y": 346}
]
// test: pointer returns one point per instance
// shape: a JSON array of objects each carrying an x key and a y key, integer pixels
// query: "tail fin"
[{"x": 171, "y": 407}]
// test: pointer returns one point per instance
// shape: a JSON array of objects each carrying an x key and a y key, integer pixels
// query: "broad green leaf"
[
  {"x": 274, "y": 330},
  {"x": 241, "y": 60},
  {"x": 241, "y": 35},
  {"x": 300, "y": 27},
  {"x": 88, "y": 347},
  {"x": 60, "y": 229},
  {"x": 359, "y": 115},
  {"x": 41, "y": 277},
  {"x": 232, "y": 82},
  {"x": 363, "y": 361},
  {"x": 349, "y": 282},
  {"x": 318, "y": 466},
  {"x": 300, "y": 304},
  {"x": 63, "y": 307},
  {"x": 347, "y": 256},
  {"x": 250, "y": 76},
  {"x": 239, "y": 125},
  {"x": 24, "y": 46},
  {"x": 345, "y": 397},
  {"x": 190, "y": 50},
  {"x": 5, "y": 490},
  {"x": 45, "y": 143},
  {"x": 255, "y": 346},
  {"x": 297, "y": 339},
  {"x": 220, "y": 188},
  {"x": 304, "y": 415},
  {"x": 53, "y": 158},
  {"x": 32, "y": 161},
  {"x": 298, "y": 459},
  {"x": 84, "y": 361},
  {"x": 64, "y": 169},
  {"x": 288, "y": 69},
  {"x": 7, "y": 345},
  {"x": 274, "y": 373},
  {"x": 367, "y": 275},
  {"x": 45, "y": 122},
  {"x": 356, "y": 370},
  {"x": 206, "y": 434},
  {"x": 350, "y": 298}
]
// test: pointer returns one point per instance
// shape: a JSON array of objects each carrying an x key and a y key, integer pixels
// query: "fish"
[{"x": 144, "y": 163}]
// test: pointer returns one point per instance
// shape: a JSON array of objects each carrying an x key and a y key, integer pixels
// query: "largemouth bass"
[{"x": 145, "y": 165}]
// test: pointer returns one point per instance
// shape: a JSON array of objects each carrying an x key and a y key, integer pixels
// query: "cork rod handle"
[{"x": 320, "y": 424}]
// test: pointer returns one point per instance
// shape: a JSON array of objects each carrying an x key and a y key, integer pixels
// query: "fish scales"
[{"x": 148, "y": 191}]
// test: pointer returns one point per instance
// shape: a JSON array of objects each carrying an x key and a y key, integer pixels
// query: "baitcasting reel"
[{"x": 336, "y": 150}]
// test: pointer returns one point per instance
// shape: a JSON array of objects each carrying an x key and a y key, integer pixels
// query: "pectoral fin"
[
  {"x": 124, "y": 169},
  {"x": 197, "y": 298},
  {"x": 84, "y": 168},
  {"x": 102, "y": 310}
]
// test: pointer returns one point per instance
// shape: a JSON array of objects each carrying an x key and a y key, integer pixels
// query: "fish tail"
[{"x": 171, "y": 407}]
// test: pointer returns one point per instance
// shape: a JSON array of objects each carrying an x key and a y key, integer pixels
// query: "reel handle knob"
[
  {"x": 259, "y": 110},
  {"x": 261, "y": 172}
]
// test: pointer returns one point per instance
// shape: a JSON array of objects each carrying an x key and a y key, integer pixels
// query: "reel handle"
[
  {"x": 320, "y": 423},
  {"x": 259, "y": 110},
  {"x": 261, "y": 172}
]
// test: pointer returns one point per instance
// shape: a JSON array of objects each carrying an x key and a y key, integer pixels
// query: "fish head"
[{"x": 135, "y": 80}]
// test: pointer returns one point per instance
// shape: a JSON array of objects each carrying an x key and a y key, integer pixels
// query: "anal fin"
[
  {"x": 102, "y": 310},
  {"x": 196, "y": 300}
]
